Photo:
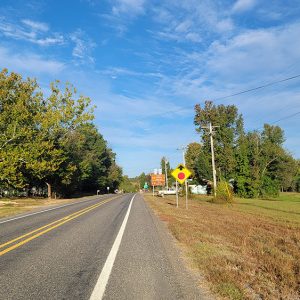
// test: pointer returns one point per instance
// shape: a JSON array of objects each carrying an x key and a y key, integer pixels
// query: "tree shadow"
[{"x": 269, "y": 208}]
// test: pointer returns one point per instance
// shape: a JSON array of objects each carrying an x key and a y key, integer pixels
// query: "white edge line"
[
  {"x": 100, "y": 286},
  {"x": 42, "y": 211}
]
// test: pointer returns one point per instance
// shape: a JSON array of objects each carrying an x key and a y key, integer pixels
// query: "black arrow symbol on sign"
[{"x": 180, "y": 167}]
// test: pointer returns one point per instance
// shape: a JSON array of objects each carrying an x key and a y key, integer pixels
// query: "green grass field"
[{"x": 285, "y": 208}]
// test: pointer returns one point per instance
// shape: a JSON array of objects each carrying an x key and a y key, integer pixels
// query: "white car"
[{"x": 166, "y": 192}]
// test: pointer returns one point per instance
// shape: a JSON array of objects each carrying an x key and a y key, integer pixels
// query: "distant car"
[{"x": 169, "y": 191}]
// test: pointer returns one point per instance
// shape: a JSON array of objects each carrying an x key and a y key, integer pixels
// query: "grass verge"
[
  {"x": 246, "y": 250},
  {"x": 10, "y": 207}
]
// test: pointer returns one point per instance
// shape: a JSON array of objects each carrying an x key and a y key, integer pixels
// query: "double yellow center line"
[{"x": 25, "y": 238}]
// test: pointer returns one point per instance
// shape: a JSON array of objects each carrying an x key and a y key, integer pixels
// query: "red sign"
[{"x": 158, "y": 180}]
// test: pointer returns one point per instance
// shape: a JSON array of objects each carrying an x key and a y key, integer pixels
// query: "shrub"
[{"x": 224, "y": 193}]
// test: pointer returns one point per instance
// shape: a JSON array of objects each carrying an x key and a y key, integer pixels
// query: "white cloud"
[
  {"x": 131, "y": 7},
  {"x": 192, "y": 21},
  {"x": 243, "y": 5},
  {"x": 193, "y": 37},
  {"x": 225, "y": 25},
  {"x": 83, "y": 48},
  {"x": 115, "y": 72},
  {"x": 249, "y": 59},
  {"x": 37, "y": 26},
  {"x": 183, "y": 26},
  {"x": 30, "y": 31},
  {"x": 261, "y": 52},
  {"x": 28, "y": 62},
  {"x": 55, "y": 40}
]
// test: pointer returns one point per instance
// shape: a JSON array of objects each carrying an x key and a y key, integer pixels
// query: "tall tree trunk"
[{"x": 49, "y": 190}]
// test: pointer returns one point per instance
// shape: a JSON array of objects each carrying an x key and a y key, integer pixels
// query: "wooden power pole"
[{"x": 211, "y": 132}]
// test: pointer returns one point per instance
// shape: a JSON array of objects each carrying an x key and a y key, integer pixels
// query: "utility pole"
[
  {"x": 166, "y": 172},
  {"x": 183, "y": 148},
  {"x": 211, "y": 132}
]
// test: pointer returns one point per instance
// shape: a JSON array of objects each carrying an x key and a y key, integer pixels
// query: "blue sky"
[{"x": 145, "y": 64}]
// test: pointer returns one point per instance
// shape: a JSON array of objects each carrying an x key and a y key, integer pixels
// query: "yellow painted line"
[
  {"x": 62, "y": 221},
  {"x": 45, "y": 226},
  {"x": 40, "y": 228}
]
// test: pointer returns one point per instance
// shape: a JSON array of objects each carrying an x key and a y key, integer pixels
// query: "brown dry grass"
[
  {"x": 10, "y": 207},
  {"x": 242, "y": 254}
]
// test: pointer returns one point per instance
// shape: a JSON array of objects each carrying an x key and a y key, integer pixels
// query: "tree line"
[
  {"x": 51, "y": 141},
  {"x": 255, "y": 162}
]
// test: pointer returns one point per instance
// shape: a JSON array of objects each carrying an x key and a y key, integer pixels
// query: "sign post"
[
  {"x": 181, "y": 174},
  {"x": 176, "y": 193}
]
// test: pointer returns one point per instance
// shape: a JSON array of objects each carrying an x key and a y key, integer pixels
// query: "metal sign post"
[
  {"x": 176, "y": 193},
  {"x": 186, "y": 194},
  {"x": 153, "y": 190}
]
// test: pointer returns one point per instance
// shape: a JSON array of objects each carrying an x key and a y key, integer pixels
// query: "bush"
[{"x": 224, "y": 193}]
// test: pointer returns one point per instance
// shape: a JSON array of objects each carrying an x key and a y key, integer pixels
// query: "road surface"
[{"x": 110, "y": 247}]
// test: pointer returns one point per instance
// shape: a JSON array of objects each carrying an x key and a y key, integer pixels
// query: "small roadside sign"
[
  {"x": 181, "y": 173},
  {"x": 157, "y": 180}
]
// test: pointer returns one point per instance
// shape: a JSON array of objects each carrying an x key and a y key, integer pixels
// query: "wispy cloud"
[
  {"x": 36, "y": 26},
  {"x": 40, "y": 34},
  {"x": 30, "y": 31},
  {"x": 243, "y": 5},
  {"x": 83, "y": 48},
  {"x": 115, "y": 72},
  {"x": 128, "y": 7},
  {"x": 123, "y": 13},
  {"x": 191, "y": 21},
  {"x": 29, "y": 62}
]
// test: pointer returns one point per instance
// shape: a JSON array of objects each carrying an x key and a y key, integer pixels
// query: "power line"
[
  {"x": 228, "y": 96},
  {"x": 281, "y": 119},
  {"x": 286, "y": 117},
  {"x": 257, "y": 88}
]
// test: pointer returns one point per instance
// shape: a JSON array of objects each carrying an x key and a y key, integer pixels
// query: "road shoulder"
[{"x": 191, "y": 280}]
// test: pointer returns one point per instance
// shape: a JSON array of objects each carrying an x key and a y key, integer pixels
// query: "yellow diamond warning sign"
[{"x": 181, "y": 173}]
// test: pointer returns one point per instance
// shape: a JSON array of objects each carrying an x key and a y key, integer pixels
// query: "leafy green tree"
[
  {"x": 297, "y": 178},
  {"x": 20, "y": 102},
  {"x": 203, "y": 168},
  {"x": 60, "y": 114},
  {"x": 192, "y": 156},
  {"x": 94, "y": 164},
  {"x": 127, "y": 186},
  {"x": 142, "y": 179},
  {"x": 243, "y": 181},
  {"x": 163, "y": 166},
  {"x": 272, "y": 151},
  {"x": 288, "y": 170},
  {"x": 228, "y": 120},
  {"x": 256, "y": 161},
  {"x": 51, "y": 141},
  {"x": 114, "y": 176}
]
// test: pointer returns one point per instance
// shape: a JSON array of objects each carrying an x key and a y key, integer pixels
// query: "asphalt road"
[{"x": 110, "y": 247}]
